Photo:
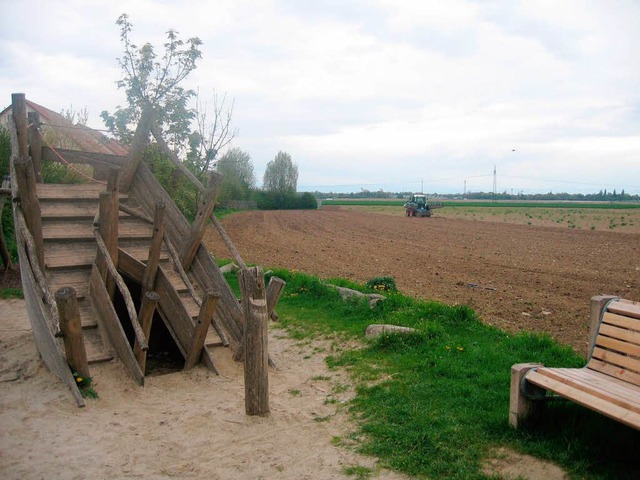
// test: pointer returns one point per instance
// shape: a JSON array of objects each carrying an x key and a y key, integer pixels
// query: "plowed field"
[{"x": 517, "y": 277}]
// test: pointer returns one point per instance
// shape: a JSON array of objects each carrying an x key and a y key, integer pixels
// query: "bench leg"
[{"x": 520, "y": 407}]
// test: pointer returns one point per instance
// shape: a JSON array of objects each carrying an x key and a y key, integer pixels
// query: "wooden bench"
[{"x": 608, "y": 384}]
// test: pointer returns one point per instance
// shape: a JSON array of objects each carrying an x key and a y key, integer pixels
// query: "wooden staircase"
[{"x": 68, "y": 213}]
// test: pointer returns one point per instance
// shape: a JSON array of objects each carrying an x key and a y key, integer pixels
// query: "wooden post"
[
  {"x": 153, "y": 260},
  {"x": 209, "y": 303},
  {"x": 521, "y": 406},
  {"x": 19, "y": 111},
  {"x": 136, "y": 150},
  {"x": 256, "y": 359},
  {"x": 72, "y": 330},
  {"x": 108, "y": 229},
  {"x": 35, "y": 140},
  {"x": 598, "y": 303},
  {"x": 274, "y": 290},
  {"x": 148, "y": 307},
  {"x": 200, "y": 223},
  {"x": 29, "y": 204}
]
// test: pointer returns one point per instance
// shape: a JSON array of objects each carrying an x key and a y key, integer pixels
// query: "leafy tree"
[
  {"x": 281, "y": 175},
  {"x": 150, "y": 80},
  {"x": 239, "y": 179}
]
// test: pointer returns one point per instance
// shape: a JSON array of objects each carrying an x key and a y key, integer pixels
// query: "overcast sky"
[{"x": 378, "y": 94}]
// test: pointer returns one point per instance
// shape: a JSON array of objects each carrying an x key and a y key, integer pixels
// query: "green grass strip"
[{"x": 434, "y": 404}]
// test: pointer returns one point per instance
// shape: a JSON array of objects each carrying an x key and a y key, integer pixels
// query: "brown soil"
[{"x": 517, "y": 277}]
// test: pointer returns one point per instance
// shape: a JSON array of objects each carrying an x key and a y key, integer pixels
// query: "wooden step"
[
  {"x": 59, "y": 230},
  {"x": 76, "y": 278},
  {"x": 72, "y": 192},
  {"x": 80, "y": 210},
  {"x": 94, "y": 346},
  {"x": 59, "y": 255}
]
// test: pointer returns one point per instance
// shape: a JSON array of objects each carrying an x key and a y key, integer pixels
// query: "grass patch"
[
  {"x": 435, "y": 403},
  {"x": 6, "y": 293}
]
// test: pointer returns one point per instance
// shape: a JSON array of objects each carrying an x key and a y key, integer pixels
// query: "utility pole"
[
  {"x": 422, "y": 185},
  {"x": 494, "y": 183},
  {"x": 465, "y": 189}
]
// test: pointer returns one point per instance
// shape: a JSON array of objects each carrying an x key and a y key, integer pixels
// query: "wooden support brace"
[
  {"x": 256, "y": 361},
  {"x": 520, "y": 405},
  {"x": 29, "y": 204},
  {"x": 201, "y": 328},
  {"x": 149, "y": 278},
  {"x": 35, "y": 140},
  {"x": 108, "y": 228},
  {"x": 136, "y": 150},
  {"x": 71, "y": 327},
  {"x": 19, "y": 112},
  {"x": 145, "y": 316},
  {"x": 199, "y": 226},
  {"x": 598, "y": 303}
]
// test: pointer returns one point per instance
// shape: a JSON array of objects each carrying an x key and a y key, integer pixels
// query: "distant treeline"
[{"x": 601, "y": 196}]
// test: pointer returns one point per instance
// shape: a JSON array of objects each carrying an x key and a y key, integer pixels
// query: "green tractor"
[{"x": 419, "y": 206}]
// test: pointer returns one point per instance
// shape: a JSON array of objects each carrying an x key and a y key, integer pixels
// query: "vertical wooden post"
[
  {"x": 72, "y": 330},
  {"x": 200, "y": 223},
  {"x": 136, "y": 150},
  {"x": 598, "y": 303},
  {"x": 521, "y": 406},
  {"x": 29, "y": 204},
  {"x": 108, "y": 227},
  {"x": 274, "y": 290},
  {"x": 145, "y": 317},
  {"x": 256, "y": 359},
  {"x": 201, "y": 328},
  {"x": 35, "y": 140},
  {"x": 19, "y": 111},
  {"x": 153, "y": 260}
]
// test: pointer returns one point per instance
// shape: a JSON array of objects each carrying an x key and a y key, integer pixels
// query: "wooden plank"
[
  {"x": 69, "y": 192},
  {"x": 88, "y": 158},
  {"x": 613, "y": 358},
  {"x": 198, "y": 339},
  {"x": 613, "y": 371},
  {"x": 83, "y": 230},
  {"x": 111, "y": 323},
  {"x": 47, "y": 345},
  {"x": 626, "y": 308},
  {"x": 81, "y": 210},
  {"x": 78, "y": 279},
  {"x": 586, "y": 399},
  {"x": 616, "y": 390},
  {"x": 147, "y": 309},
  {"x": 620, "y": 334},
  {"x": 621, "y": 321},
  {"x": 618, "y": 346}
]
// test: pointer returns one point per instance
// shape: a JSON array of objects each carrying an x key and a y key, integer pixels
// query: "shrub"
[{"x": 382, "y": 284}]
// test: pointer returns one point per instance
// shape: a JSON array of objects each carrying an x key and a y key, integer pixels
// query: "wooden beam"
[
  {"x": 598, "y": 303},
  {"x": 147, "y": 309},
  {"x": 256, "y": 360},
  {"x": 19, "y": 112},
  {"x": 227, "y": 241},
  {"x": 126, "y": 295},
  {"x": 136, "y": 150},
  {"x": 88, "y": 158},
  {"x": 199, "y": 226},
  {"x": 153, "y": 259},
  {"x": 35, "y": 140},
  {"x": 201, "y": 328},
  {"x": 29, "y": 204},
  {"x": 71, "y": 327},
  {"x": 274, "y": 290},
  {"x": 111, "y": 324}
]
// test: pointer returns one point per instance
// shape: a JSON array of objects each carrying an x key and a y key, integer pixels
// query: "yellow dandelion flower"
[{"x": 79, "y": 379}]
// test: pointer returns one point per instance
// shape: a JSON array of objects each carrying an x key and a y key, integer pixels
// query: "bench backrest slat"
[{"x": 617, "y": 346}]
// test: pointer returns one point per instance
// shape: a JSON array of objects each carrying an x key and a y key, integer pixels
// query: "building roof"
[{"x": 83, "y": 137}]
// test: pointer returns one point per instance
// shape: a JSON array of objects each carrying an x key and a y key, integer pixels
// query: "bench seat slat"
[
  {"x": 587, "y": 399},
  {"x": 596, "y": 384},
  {"x": 620, "y": 333},
  {"x": 619, "y": 346},
  {"x": 623, "y": 361},
  {"x": 626, "y": 308},
  {"x": 613, "y": 371},
  {"x": 621, "y": 321}
]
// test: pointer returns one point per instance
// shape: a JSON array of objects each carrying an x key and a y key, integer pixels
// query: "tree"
[
  {"x": 281, "y": 175},
  {"x": 239, "y": 179},
  {"x": 153, "y": 81},
  {"x": 213, "y": 133}
]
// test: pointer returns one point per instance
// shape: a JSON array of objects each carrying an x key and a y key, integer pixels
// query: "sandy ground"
[
  {"x": 181, "y": 425},
  {"x": 185, "y": 425}
]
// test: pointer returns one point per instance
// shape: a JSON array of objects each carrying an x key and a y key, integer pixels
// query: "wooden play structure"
[
  {"x": 608, "y": 384},
  {"x": 82, "y": 246}
]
